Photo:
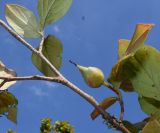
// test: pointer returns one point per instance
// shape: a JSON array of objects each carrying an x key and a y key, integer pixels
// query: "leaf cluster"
[{"x": 27, "y": 25}]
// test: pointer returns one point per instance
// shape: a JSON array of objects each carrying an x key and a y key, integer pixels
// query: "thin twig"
[
  {"x": 119, "y": 98},
  {"x": 32, "y": 49},
  {"x": 67, "y": 83}
]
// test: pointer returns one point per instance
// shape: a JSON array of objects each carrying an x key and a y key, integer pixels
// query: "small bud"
[{"x": 93, "y": 76}]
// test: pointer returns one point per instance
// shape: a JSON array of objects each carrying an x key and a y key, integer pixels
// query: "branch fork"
[{"x": 60, "y": 79}]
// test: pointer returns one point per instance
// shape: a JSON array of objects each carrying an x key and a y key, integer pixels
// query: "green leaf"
[
  {"x": 149, "y": 105},
  {"x": 52, "y": 50},
  {"x": 125, "y": 48},
  {"x": 12, "y": 114},
  {"x": 8, "y": 106},
  {"x": 152, "y": 126},
  {"x": 143, "y": 70},
  {"x": 130, "y": 126},
  {"x": 147, "y": 80},
  {"x": 5, "y": 72},
  {"x": 52, "y": 10},
  {"x": 139, "y": 37},
  {"x": 121, "y": 74},
  {"x": 106, "y": 103},
  {"x": 123, "y": 44},
  {"x": 22, "y": 21}
]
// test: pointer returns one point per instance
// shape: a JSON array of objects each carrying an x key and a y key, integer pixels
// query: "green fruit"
[{"x": 93, "y": 76}]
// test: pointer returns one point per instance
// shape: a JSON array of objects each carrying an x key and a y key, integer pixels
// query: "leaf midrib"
[{"x": 48, "y": 12}]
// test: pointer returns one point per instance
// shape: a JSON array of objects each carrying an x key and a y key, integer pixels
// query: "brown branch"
[
  {"x": 119, "y": 98},
  {"x": 119, "y": 126},
  {"x": 3, "y": 82},
  {"x": 32, "y": 49},
  {"x": 36, "y": 77}
]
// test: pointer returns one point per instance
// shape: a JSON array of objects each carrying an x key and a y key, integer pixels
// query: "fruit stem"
[
  {"x": 117, "y": 91},
  {"x": 73, "y": 63}
]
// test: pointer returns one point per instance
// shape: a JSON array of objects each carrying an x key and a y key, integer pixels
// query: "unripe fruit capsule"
[{"x": 93, "y": 76}]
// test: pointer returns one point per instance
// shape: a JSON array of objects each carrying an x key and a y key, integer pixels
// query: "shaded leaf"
[
  {"x": 142, "y": 68},
  {"x": 126, "y": 85},
  {"x": 149, "y": 105},
  {"x": 153, "y": 126},
  {"x": 52, "y": 50},
  {"x": 123, "y": 44},
  {"x": 126, "y": 47},
  {"x": 5, "y": 72},
  {"x": 12, "y": 114},
  {"x": 106, "y": 103},
  {"x": 130, "y": 126},
  {"x": 22, "y": 21},
  {"x": 139, "y": 37},
  {"x": 52, "y": 10},
  {"x": 8, "y": 106},
  {"x": 121, "y": 73}
]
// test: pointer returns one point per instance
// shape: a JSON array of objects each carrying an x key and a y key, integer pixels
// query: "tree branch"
[
  {"x": 32, "y": 49},
  {"x": 118, "y": 125},
  {"x": 119, "y": 98},
  {"x": 36, "y": 77},
  {"x": 41, "y": 44}
]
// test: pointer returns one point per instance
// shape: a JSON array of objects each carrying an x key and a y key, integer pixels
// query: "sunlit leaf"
[
  {"x": 143, "y": 70},
  {"x": 149, "y": 105},
  {"x": 52, "y": 10},
  {"x": 119, "y": 74},
  {"x": 22, "y": 21},
  {"x": 147, "y": 79},
  {"x": 8, "y": 106},
  {"x": 153, "y": 126},
  {"x": 106, "y": 103},
  {"x": 139, "y": 37},
  {"x": 132, "y": 128},
  {"x": 5, "y": 72},
  {"x": 122, "y": 47},
  {"x": 52, "y": 50}
]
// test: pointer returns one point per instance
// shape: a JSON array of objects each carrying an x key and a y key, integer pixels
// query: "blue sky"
[{"x": 89, "y": 42}]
